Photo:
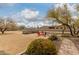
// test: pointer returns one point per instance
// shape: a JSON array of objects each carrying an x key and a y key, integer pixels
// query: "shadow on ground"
[{"x": 6, "y": 33}]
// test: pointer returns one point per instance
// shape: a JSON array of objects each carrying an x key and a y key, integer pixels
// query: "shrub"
[
  {"x": 53, "y": 37},
  {"x": 4, "y": 53},
  {"x": 41, "y": 47}
]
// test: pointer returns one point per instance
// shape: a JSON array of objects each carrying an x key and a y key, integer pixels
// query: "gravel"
[{"x": 68, "y": 48}]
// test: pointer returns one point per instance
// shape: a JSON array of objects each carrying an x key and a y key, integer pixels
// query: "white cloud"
[
  {"x": 38, "y": 24},
  {"x": 71, "y": 8},
  {"x": 21, "y": 24},
  {"x": 58, "y": 5},
  {"x": 29, "y": 14},
  {"x": 31, "y": 18},
  {"x": 74, "y": 17},
  {"x": 26, "y": 14}
]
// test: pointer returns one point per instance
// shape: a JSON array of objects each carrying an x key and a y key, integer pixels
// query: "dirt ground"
[{"x": 14, "y": 42}]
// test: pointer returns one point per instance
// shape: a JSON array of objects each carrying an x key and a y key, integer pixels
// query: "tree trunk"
[
  {"x": 63, "y": 30},
  {"x": 77, "y": 32},
  {"x": 70, "y": 28},
  {"x": 71, "y": 31},
  {"x": 3, "y": 30}
]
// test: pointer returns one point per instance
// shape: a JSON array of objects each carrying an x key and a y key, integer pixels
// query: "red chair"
[{"x": 38, "y": 33}]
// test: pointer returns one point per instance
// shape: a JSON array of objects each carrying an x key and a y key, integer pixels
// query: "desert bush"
[
  {"x": 3, "y": 53},
  {"x": 22, "y": 27},
  {"x": 53, "y": 37},
  {"x": 41, "y": 47}
]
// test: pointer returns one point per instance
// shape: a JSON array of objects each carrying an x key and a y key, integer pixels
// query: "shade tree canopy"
[{"x": 64, "y": 16}]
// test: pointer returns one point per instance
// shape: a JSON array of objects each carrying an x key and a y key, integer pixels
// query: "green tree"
[{"x": 63, "y": 16}]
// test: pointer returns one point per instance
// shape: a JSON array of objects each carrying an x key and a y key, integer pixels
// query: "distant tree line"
[{"x": 8, "y": 24}]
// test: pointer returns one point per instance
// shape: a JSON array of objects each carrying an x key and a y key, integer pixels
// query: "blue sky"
[
  {"x": 27, "y": 14},
  {"x": 30, "y": 14},
  {"x": 10, "y": 9}
]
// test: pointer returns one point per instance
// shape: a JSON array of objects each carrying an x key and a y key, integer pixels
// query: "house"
[
  {"x": 52, "y": 27},
  {"x": 58, "y": 28}
]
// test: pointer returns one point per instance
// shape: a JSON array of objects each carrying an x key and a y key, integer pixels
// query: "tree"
[
  {"x": 62, "y": 15},
  {"x": 7, "y": 24},
  {"x": 22, "y": 27},
  {"x": 2, "y": 25},
  {"x": 11, "y": 25}
]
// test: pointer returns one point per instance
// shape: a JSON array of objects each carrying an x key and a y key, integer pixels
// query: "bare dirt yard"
[{"x": 14, "y": 42}]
